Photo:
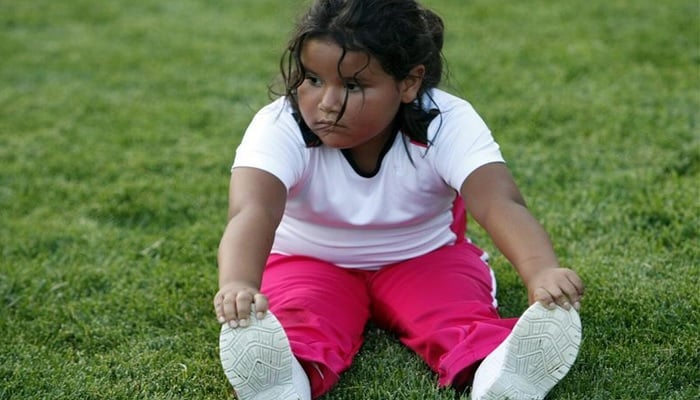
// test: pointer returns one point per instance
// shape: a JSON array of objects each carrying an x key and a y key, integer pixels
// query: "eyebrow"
[
  {"x": 357, "y": 77},
  {"x": 364, "y": 67}
]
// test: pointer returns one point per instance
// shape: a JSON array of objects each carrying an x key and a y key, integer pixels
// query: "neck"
[{"x": 367, "y": 157}]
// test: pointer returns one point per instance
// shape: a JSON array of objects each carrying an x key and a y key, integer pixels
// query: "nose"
[{"x": 331, "y": 100}]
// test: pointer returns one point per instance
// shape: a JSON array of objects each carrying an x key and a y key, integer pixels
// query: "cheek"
[
  {"x": 305, "y": 99},
  {"x": 381, "y": 111}
]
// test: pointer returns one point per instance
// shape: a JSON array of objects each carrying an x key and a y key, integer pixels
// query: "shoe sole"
[
  {"x": 540, "y": 351},
  {"x": 257, "y": 360}
]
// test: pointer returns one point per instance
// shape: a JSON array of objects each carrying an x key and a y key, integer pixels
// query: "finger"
[
  {"x": 229, "y": 306},
  {"x": 559, "y": 298},
  {"x": 261, "y": 305},
  {"x": 544, "y": 297},
  {"x": 219, "y": 308},
  {"x": 563, "y": 302},
  {"x": 577, "y": 283},
  {"x": 243, "y": 306},
  {"x": 569, "y": 295},
  {"x": 579, "y": 287}
]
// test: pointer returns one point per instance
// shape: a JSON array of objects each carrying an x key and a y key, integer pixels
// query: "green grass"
[{"x": 118, "y": 122}]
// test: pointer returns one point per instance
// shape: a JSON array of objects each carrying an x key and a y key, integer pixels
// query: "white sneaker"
[
  {"x": 257, "y": 360},
  {"x": 537, "y": 354}
]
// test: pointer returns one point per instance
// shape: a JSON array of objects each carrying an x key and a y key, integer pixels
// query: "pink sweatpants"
[{"x": 441, "y": 305}]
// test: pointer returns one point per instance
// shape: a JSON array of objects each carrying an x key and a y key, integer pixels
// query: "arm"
[
  {"x": 495, "y": 202},
  {"x": 256, "y": 204}
]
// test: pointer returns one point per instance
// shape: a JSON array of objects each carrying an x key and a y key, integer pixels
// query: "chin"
[{"x": 336, "y": 143}]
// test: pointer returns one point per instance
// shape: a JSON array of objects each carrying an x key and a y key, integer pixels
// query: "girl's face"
[{"x": 373, "y": 96}]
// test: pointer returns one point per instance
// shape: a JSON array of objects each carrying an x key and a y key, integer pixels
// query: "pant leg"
[
  {"x": 323, "y": 309},
  {"x": 442, "y": 306}
]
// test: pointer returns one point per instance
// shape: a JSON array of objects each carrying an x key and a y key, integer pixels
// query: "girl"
[{"x": 348, "y": 199}]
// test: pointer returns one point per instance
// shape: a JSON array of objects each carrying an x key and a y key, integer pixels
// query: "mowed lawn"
[{"x": 118, "y": 123}]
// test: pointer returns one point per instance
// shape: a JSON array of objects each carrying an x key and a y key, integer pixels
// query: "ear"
[{"x": 410, "y": 86}]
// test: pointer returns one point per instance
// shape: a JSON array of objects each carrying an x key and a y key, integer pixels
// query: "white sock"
[{"x": 300, "y": 380}]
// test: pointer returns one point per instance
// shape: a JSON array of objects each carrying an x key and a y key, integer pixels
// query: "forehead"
[{"x": 326, "y": 56}]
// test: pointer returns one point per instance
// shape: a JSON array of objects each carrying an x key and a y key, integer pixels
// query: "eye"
[
  {"x": 313, "y": 80},
  {"x": 353, "y": 86}
]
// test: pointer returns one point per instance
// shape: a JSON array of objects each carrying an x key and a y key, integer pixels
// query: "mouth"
[{"x": 324, "y": 127}]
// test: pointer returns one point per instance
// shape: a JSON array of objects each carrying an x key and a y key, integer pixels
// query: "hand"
[
  {"x": 556, "y": 286},
  {"x": 234, "y": 303}
]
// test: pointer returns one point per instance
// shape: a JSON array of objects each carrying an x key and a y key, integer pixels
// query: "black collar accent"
[{"x": 387, "y": 146}]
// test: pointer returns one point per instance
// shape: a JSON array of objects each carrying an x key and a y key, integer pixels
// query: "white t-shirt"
[{"x": 335, "y": 214}]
